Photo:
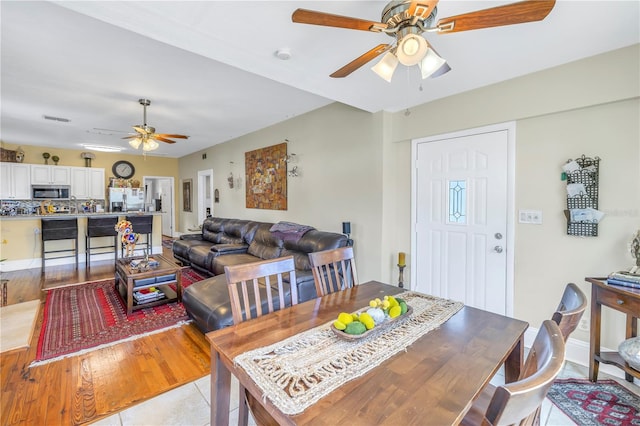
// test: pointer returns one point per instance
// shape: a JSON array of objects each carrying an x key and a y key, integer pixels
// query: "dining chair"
[
  {"x": 333, "y": 270},
  {"x": 251, "y": 288},
  {"x": 570, "y": 310},
  {"x": 519, "y": 402}
]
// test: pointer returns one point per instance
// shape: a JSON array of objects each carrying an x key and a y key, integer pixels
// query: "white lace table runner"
[{"x": 298, "y": 371}]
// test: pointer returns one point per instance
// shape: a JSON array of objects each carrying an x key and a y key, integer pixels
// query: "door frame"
[
  {"x": 510, "y": 128},
  {"x": 202, "y": 174},
  {"x": 173, "y": 204}
]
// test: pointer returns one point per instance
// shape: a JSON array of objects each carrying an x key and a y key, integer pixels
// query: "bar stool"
[
  {"x": 101, "y": 227},
  {"x": 143, "y": 225},
  {"x": 59, "y": 229}
]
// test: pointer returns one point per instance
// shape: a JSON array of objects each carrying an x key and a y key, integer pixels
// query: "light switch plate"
[{"x": 530, "y": 216}]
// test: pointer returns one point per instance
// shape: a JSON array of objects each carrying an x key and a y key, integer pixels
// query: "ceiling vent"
[{"x": 50, "y": 117}]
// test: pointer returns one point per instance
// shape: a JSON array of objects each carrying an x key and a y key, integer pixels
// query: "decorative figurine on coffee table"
[{"x": 129, "y": 238}]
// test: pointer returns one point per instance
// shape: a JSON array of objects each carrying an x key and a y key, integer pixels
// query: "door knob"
[
  {"x": 497, "y": 249},
  {"x": 498, "y": 236}
]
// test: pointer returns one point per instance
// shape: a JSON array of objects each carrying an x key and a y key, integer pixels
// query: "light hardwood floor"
[{"x": 85, "y": 388}]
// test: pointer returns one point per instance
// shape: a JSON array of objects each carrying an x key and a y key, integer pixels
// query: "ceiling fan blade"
[
  {"x": 360, "y": 61},
  {"x": 166, "y": 135},
  {"x": 514, "y": 13},
  {"x": 131, "y": 137},
  {"x": 422, "y": 9},
  {"x": 160, "y": 138},
  {"x": 305, "y": 16}
]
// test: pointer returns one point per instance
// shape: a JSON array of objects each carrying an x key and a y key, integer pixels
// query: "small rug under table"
[
  {"x": 92, "y": 315},
  {"x": 605, "y": 402}
]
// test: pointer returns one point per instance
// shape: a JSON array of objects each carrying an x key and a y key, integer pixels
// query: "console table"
[{"x": 623, "y": 299}]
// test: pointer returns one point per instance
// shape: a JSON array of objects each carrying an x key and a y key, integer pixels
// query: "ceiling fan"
[
  {"x": 407, "y": 20},
  {"x": 146, "y": 135}
]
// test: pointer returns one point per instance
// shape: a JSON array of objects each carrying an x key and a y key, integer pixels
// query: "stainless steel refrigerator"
[{"x": 126, "y": 200}]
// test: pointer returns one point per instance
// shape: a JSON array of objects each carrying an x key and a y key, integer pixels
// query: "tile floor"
[{"x": 189, "y": 404}]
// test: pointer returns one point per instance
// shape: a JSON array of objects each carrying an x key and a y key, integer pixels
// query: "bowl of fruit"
[{"x": 380, "y": 314}]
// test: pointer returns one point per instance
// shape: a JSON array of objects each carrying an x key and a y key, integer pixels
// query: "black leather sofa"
[{"x": 225, "y": 242}]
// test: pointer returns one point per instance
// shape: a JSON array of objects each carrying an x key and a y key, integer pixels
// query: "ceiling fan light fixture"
[
  {"x": 411, "y": 49},
  {"x": 431, "y": 63},
  {"x": 386, "y": 66},
  {"x": 135, "y": 143},
  {"x": 150, "y": 145},
  {"x": 441, "y": 71}
]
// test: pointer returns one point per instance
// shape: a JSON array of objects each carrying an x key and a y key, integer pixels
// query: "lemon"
[
  {"x": 345, "y": 318},
  {"x": 339, "y": 325},
  {"x": 386, "y": 304},
  {"x": 354, "y": 316},
  {"x": 373, "y": 304},
  {"x": 355, "y": 327},
  {"x": 392, "y": 301},
  {"x": 367, "y": 320},
  {"x": 395, "y": 311}
]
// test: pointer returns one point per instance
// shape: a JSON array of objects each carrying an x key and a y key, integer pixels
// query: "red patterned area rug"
[
  {"x": 603, "y": 403},
  {"x": 93, "y": 315}
]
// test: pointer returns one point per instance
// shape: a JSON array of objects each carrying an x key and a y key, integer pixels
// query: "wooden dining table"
[{"x": 433, "y": 382}]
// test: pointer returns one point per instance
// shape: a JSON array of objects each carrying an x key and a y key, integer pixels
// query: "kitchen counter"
[
  {"x": 21, "y": 239},
  {"x": 61, "y": 215}
]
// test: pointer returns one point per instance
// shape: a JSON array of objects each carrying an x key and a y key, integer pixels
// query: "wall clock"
[{"x": 123, "y": 169}]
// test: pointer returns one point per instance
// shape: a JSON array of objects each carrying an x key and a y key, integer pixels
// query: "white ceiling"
[{"x": 210, "y": 71}]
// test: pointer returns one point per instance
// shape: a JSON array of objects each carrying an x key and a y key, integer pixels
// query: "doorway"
[
  {"x": 159, "y": 192},
  {"x": 462, "y": 219},
  {"x": 205, "y": 194}
]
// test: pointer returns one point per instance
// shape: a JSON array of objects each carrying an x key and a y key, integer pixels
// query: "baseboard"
[
  {"x": 16, "y": 265},
  {"x": 577, "y": 351}
]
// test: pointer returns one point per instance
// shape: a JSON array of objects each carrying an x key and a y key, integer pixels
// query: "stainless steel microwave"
[{"x": 50, "y": 192}]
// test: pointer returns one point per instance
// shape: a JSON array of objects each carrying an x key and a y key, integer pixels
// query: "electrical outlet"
[
  {"x": 530, "y": 216},
  {"x": 36, "y": 230},
  {"x": 584, "y": 324}
]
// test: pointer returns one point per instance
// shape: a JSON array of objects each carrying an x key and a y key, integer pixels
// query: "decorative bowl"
[
  {"x": 630, "y": 351},
  {"x": 379, "y": 327}
]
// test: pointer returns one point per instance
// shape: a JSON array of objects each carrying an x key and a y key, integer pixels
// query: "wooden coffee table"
[{"x": 129, "y": 280}]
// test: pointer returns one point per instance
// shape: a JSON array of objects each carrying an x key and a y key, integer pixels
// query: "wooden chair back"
[
  {"x": 519, "y": 402},
  {"x": 570, "y": 310},
  {"x": 333, "y": 270},
  {"x": 255, "y": 281}
]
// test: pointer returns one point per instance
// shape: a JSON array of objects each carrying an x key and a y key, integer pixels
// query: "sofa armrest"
[
  {"x": 191, "y": 237},
  {"x": 221, "y": 249}
]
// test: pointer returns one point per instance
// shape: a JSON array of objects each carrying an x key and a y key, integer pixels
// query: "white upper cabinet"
[
  {"x": 87, "y": 182},
  {"x": 50, "y": 175},
  {"x": 15, "y": 181}
]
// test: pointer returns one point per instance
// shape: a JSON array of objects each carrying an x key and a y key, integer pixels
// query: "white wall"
[{"x": 356, "y": 166}]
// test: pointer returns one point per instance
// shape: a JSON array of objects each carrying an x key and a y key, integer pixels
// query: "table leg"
[
  {"x": 179, "y": 285},
  {"x": 632, "y": 331},
  {"x": 594, "y": 345},
  {"x": 220, "y": 390},
  {"x": 129, "y": 296},
  {"x": 513, "y": 364}
]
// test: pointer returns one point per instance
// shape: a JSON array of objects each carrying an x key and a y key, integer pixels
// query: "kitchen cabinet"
[
  {"x": 87, "y": 182},
  {"x": 49, "y": 175},
  {"x": 15, "y": 181}
]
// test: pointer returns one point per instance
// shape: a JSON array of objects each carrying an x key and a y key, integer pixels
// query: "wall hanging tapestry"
[
  {"x": 603, "y": 403},
  {"x": 266, "y": 178}
]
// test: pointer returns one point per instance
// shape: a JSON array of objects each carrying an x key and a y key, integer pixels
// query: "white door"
[
  {"x": 166, "y": 197},
  {"x": 461, "y": 225}
]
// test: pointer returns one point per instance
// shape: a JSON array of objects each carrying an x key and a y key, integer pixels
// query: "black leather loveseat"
[{"x": 226, "y": 242}]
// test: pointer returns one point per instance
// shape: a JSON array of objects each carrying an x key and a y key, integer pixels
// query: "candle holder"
[{"x": 401, "y": 275}]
